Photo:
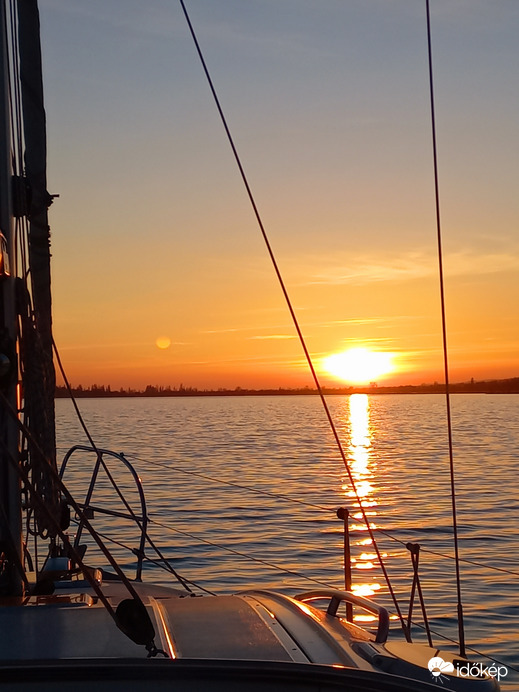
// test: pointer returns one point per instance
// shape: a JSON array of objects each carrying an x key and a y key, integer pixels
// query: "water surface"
[{"x": 248, "y": 488}]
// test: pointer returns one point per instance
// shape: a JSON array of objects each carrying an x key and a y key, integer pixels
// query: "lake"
[{"x": 243, "y": 493}]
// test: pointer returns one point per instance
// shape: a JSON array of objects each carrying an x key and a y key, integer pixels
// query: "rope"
[
  {"x": 286, "y": 498},
  {"x": 236, "y": 552},
  {"x": 77, "y": 558},
  {"x": 162, "y": 562},
  {"x": 292, "y": 313},
  {"x": 139, "y": 608},
  {"x": 314, "y": 506},
  {"x": 37, "y": 381},
  {"x": 16, "y": 99},
  {"x": 469, "y": 648},
  {"x": 450, "y": 557},
  {"x": 100, "y": 461},
  {"x": 444, "y": 336},
  {"x": 267, "y": 493},
  {"x": 281, "y": 569}
]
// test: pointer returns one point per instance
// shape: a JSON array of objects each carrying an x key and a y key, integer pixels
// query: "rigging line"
[
  {"x": 72, "y": 398},
  {"x": 12, "y": 546},
  {"x": 234, "y": 485},
  {"x": 162, "y": 563},
  {"x": 87, "y": 432},
  {"x": 292, "y": 314},
  {"x": 170, "y": 568},
  {"x": 15, "y": 119},
  {"x": 129, "y": 627},
  {"x": 236, "y": 552},
  {"x": 469, "y": 648},
  {"x": 308, "y": 504},
  {"x": 14, "y": 88},
  {"x": 101, "y": 461},
  {"x": 201, "y": 588},
  {"x": 21, "y": 224},
  {"x": 70, "y": 500},
  {"x": 50, "y": 517},
  {"x": 461, "y": 629},
  {"x": 18, "y": 131},
  {"x": 304, "y": 576},
  {"x": 449, "y": 557},
  {"x": 472, "y": 562}
]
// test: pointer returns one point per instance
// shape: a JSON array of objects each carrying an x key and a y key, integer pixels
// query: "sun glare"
[{"x": 359, "y": 365}]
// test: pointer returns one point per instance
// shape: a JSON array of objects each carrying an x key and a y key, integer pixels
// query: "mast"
[
  {"x": 10, "y": 498},
  {"x": 28, "y": 383},
  {"x": 38, "y": 376}
]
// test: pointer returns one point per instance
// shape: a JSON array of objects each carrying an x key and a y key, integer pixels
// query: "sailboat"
[{"x": 65, "y": 624}]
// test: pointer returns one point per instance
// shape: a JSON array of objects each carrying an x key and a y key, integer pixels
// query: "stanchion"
[{"x": 343, "y": 515}]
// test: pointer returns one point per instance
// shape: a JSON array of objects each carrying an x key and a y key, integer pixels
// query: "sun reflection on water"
[
  {"x": 360, "y": 458},
  {"x": 359, "y": 453}
]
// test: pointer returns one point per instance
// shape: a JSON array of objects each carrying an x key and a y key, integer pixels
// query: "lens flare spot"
[{"x": 163, "y": 342}]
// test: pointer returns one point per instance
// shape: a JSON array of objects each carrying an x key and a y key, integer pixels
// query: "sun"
[{"x": 359, "y": 365}]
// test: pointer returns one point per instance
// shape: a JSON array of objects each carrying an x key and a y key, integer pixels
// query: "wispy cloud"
[
  {"x": 412, "y": 265},
  {"x": 274, "y": 336},
  {"x": 228, "y": 330},
  {"x": 382, "y": 320}
]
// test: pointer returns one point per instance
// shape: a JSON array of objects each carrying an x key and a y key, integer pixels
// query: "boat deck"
[
  {"x": 254, "y": 640},
  {"x": 72, "y": 624}
]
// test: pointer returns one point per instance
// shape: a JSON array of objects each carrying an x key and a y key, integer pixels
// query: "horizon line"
[{"x": 509, "y": 384}]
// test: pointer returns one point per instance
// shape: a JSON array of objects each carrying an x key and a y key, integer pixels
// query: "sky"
[{"x": 153, "y": 236}]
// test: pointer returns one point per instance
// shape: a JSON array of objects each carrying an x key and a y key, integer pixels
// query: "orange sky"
[{"x": 153, "y": 236}]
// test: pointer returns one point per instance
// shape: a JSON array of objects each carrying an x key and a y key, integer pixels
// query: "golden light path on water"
[{"x": 360, "y": 460}]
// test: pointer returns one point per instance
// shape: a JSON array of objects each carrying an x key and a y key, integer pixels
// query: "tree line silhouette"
[{"x": 506, "y": 386}]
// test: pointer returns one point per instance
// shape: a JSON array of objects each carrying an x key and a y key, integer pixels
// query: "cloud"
[
  {"x": 274, "y": 336},
  {"x": 411, "y": 266},
  {"x": 229, "y": 330}
]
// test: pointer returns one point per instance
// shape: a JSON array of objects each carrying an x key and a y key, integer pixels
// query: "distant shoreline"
[{"x": 507, "y": 386}]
